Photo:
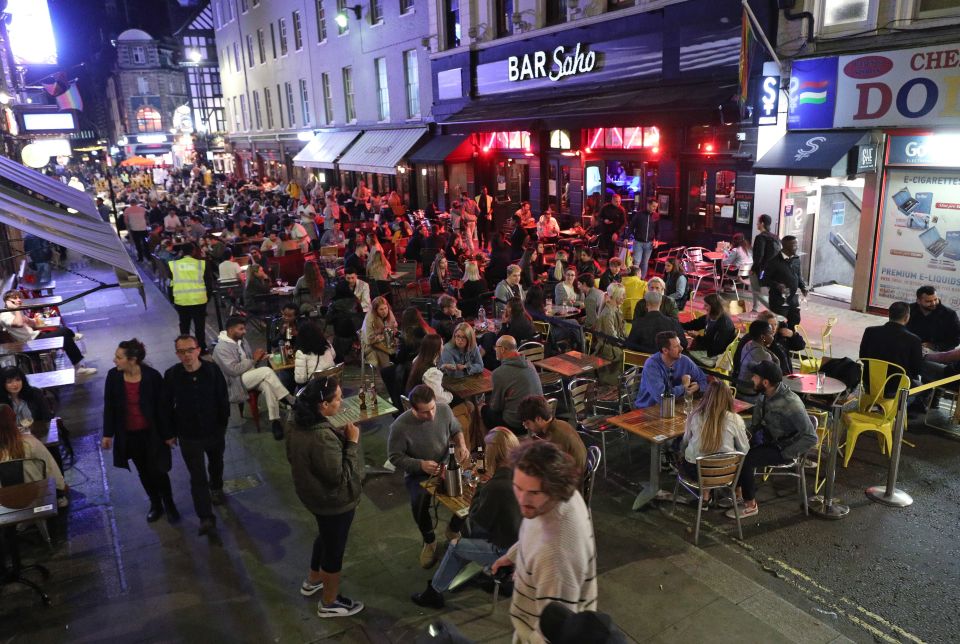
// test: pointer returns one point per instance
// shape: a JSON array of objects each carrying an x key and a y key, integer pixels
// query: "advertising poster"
[{"x": 919, "y": 240}]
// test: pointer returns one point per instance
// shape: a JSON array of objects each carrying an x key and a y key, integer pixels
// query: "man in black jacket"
[
  {"x": 937, "y": 325},
  {"x": 643, "y": 333},
  {"x": 766, "y": 246},
  {"x": 644, "y": 227},
  {"x": 783, "y": 277},
  {"x": 610, "y": 220},
  {"x": 197, "y": 408},
  {"x": 893, "y": 342}
]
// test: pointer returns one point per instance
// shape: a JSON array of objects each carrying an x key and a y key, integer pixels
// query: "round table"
[
  {"x": 805, "y": 384},
  {"x": 562, "y": 311}
]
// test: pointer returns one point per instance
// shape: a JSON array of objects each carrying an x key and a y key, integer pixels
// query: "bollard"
[
  {"x": 889, "y": 494},
  {"x": 825, "y": 506}
]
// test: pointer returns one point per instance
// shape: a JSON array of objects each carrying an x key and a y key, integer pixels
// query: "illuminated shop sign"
[
  {"x": 768, "y": 100},
  {"x": 929, "y": 150},
  {"x": 562, "y": 64}
]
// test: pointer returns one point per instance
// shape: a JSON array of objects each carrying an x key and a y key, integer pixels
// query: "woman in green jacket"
[{"x": 327, "y": 468}]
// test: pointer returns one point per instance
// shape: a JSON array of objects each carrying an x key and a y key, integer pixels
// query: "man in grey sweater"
[
  {"x": 513, "y": 380},
  {"x": 418, "y": 444}
]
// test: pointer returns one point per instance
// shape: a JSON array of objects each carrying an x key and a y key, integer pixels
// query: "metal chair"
[
  {"x": 662, "y": 258},
  {"x": 594, "y": 456},
  {"x": 714, "y": 472},
  {"x": 634, "y": 358},
  {"x": 793, "y": 468},
  {"x": 739, "y": 275},
  {"x": 551, "y": 383},
  {"x": 876, "y": 412},
  {"x": 582, "y": 396},
  {"x": 699, "y": 272}
]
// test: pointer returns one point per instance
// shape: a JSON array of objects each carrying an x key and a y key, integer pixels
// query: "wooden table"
[
  {"x": 40, "y": 302},
  {"x": 350, "y": 411},
  {"x": 562, "y": 311},
  {"x": 648, "y": 425},
  {"x": 48, "y": 379},
  {"x": 19, "y": 503},
  {"x": 467, "y": 386},
  {"x": 39, "y": 345},
  {"x": 282, "y": 366},
  {"x": 806, "y": 385},
  {"x": 459, "y": 505},
  {"x": 572, "y": 363}
]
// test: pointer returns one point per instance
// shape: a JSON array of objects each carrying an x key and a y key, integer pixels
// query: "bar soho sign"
[{"x": 563, "y": 64}]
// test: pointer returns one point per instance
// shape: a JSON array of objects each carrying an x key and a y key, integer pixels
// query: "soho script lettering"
[{"x": 530, "y": 66}]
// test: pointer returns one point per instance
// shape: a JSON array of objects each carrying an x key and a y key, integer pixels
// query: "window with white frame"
[
  {"x": 406, "y": 6},
  {"x": 297, "y": 31},
  {"x": 327, "y": 98},
  {"x": 273, "y": 40},
  {"x": 268, "y": 107},
  {"x": 257, "y": 115},
  {"x": 236, "y": 57},
  {"x": 846, "y": 16},
  {"x": 304, "y": 102},
  {"x": 244, "y": 6},
  {"x": 139, "y": 55},
  {"x": 412, "y": 77},
  {"x": 321, "y": 22},
  {"x": 282, "y": 28},
  {"x": 939, "y": 10},
  {"x": 376, "y": 12},
  {"x": 342, "y": 8},
  {"x": 256, "y": 3},
  {"x": 280, "y": 105},
  {"x": 291, "y": 115},
  {"x": 383, "y": 95},
  {"x": 143, "y": 87},
  {"x": 243, "y": 112},
  {"x": 249, "y": 50},
  {"x": 262, "y": 45},
  {"x": 348, "y": 98},
  {"x": 237, "y": 123}
]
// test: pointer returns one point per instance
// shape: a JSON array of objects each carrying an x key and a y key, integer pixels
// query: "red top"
[{"x": 136, "y": 422}]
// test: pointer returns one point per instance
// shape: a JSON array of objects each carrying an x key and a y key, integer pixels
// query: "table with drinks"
[
  {"x": 659, "y": 425},
  {"x": 360, "y": 408}
]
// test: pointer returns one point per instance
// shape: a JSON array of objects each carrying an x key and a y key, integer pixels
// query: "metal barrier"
[
  {"x": 826, "y": 506},
  {"x": 889, "y": 494}
]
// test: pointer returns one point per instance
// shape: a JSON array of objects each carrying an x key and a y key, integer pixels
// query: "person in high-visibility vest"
[{"x": 190, "y": 293}]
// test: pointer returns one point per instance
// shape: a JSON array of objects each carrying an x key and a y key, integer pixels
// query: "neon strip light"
[{"x": 596, "y": 137}]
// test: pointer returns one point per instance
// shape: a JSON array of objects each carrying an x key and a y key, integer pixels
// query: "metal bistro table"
[
  {"x": 648, "y": 425},
  {"x": 20, "y": 503},
  {"x": 49, "y": 379},
  {"x": 350, "y": 411},
  {"x": 38, "y": 345},
  {"x": 562, "y": 311},
  {"x": 806, "y": 385}
]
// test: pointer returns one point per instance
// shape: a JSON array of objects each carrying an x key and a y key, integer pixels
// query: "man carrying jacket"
[
  {"x": 197, "y": 409},
  {"x": 190, "y": 292}
]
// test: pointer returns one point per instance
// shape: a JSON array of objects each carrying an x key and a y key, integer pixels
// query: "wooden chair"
[{"x": 714, "y": 472}]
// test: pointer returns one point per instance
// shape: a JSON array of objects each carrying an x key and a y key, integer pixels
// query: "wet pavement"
[{"x": 880, "y": 574}]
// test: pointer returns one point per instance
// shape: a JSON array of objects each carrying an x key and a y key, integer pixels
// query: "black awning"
[
  {"x": 440, "y": 148},
  {"x": 596, "y": 105},
  {"x": 809, "y": 154}
]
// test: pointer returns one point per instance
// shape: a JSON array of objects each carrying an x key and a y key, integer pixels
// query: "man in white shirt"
[
  {"x": 556, "y": 548},
  {"x": 360, "y": 288},
  {"x": 298, "y": 233},
  {"x": 334, "y": 236},
  {"x": 23, "y": 327},
  {"x": 229, "y": 270},
  {"x": 171, "y": 223},
  {"x": 135, "y": 218},
  {"x": 547, "y": 226}
]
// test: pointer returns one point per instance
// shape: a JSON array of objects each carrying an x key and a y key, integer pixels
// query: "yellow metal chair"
[
  {"x": 809, "y": 361},
  {"x": 875, "y": 412}
]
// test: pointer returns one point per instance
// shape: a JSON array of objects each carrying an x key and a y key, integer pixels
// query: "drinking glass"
[{"x": 821, "y": 377}]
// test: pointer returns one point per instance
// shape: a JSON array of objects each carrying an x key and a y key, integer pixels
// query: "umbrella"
[{"x": 143, "y": 161}]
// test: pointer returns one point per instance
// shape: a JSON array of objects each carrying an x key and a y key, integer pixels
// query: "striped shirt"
[{"x": 555, "y": 560}]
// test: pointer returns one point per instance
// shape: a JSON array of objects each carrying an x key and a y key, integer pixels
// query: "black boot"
[
  {"x": 173, "y": 515},
  {"x": 277, "y": 427},
  {"x": 156, "y": 510},
  {"x": 429, "y": 598}
]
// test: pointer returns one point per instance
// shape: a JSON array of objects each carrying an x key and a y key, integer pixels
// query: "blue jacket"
[
  {"x": 656, "y": 374},
  {"x": 472, "y": 359}
]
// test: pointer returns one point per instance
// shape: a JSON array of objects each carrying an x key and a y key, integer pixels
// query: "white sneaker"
[
  {"x": 86, "y": 371},
  {"x": 342, "y": 607},
  {"x": 77, "y": 336}
]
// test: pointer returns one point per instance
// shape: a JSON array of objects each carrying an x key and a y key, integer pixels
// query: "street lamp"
[
  {"x": 195, "y": 55},
  {"x": 341, "y": 18}
]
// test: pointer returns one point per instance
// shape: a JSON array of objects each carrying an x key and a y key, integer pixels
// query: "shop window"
[
  {"x": 517, "y": 140},
  {"x": 560, "y": 140},
  {"x": 613, "y": 137},
  {"x": 651, "y": 137},
  {"x": 148, "y": 120},
  {"x": 726, "y": 187},
  {"x": 628, "y": 138}
]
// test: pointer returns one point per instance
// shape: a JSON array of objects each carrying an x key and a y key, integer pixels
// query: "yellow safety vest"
[{"x": 188, "y": 286}]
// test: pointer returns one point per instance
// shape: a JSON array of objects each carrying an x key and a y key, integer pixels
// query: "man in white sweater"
[{"x": 555, "y": 556}]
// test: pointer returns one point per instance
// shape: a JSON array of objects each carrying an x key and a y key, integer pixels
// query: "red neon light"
[
  {"x": 596, "y": 137},
  {"x": 493, "y": 138},
  {"x": 588, "y": 150},
  {"x": 632, "y": 142},
  {"x": 708, "y": 147},
  {"x": 656, "y": 150}
]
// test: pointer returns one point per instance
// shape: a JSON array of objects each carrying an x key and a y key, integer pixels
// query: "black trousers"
[
  {"x": 196, "y": 313},
  {"x": 758, "y": 456},
  {"x": 139, "y": 242},
  {"x": 203, "y": 479},
  {"x": 69, "y": 346},
  {"x": 420, "y": 506},
  {"x": 483, "y": 229},
  {"x": 331, "y": 541},
  {"x": 155, "y": 481}
]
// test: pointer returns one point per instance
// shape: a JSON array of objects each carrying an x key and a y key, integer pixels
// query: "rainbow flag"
[
  {"x": 747, "y": 39},
  {"x": 70, "y": 99}
]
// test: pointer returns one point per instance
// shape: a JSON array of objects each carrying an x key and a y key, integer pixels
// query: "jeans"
[
  {"x": 756, "y": 292},
  {"x": 193, "y": 452},
  {"x": 196, "y": 313},
  {"x": 459, "y": 554},
  {"x": 758, "y": 456},
  {"x": 331, "y": 541},
  {"x": 420, "y": 506},
  {"x": 641, "y": 256},
  {"x": 155, "y": 482}
]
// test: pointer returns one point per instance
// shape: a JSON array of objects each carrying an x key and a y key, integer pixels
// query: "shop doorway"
[
  {"x": 709, "y": 210},
  {"x": 558, "y": 187}
]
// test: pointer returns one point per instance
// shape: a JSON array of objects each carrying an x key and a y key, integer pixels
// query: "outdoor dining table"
[
  {"x": 806, "y": 385},
  {"x": 37, "y": 345},
  {"x": 648, "y": 425},
  {"x": 469, "y": 386},
  {"x": 562, "y": 311},
  {"x": 459, "y": 505},
  {"x": 350, "y": 411},
  {"x": 49, "y": 379},
  {"x": 31, "y": 501},
  {"x": 572, "y": 363}
]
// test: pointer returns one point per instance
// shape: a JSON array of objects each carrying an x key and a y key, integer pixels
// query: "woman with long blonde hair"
[
  {"x": 378, "y": 268},
  {"x": 712, "y": 427},
  {"x": 379, "y": 333}
]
